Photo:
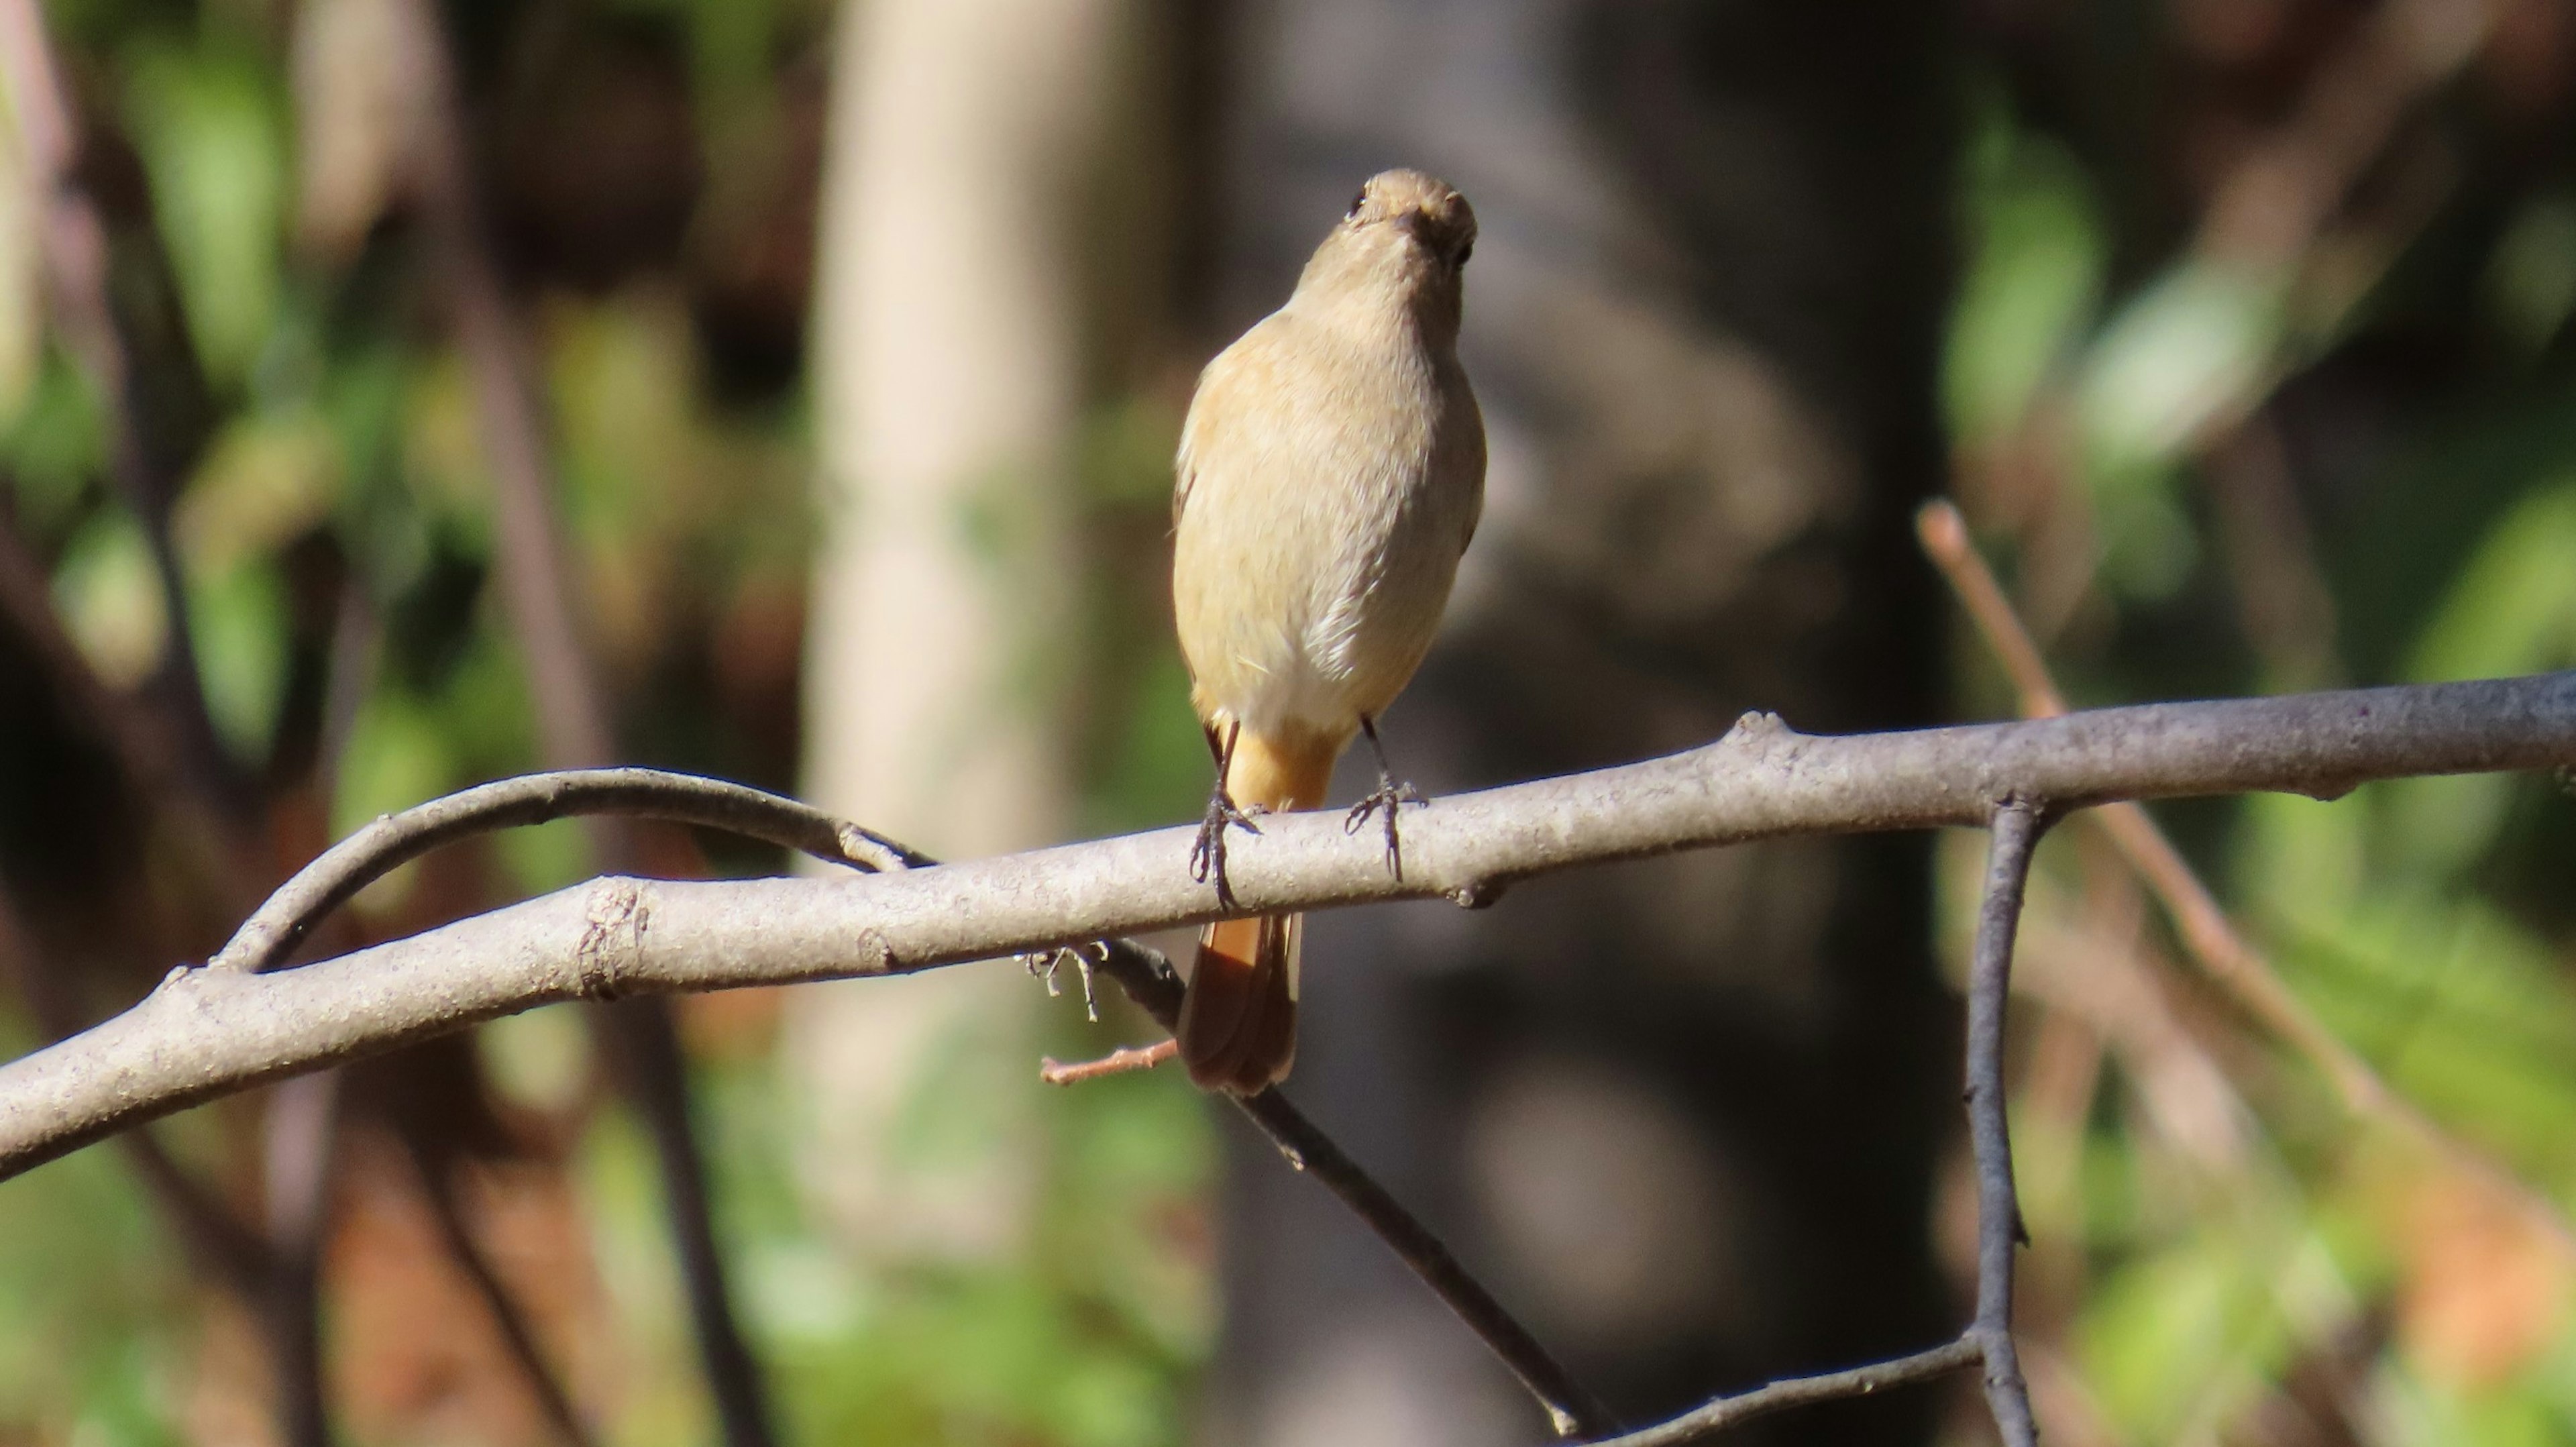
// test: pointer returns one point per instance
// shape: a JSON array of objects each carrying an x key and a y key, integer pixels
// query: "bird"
[{"x": 1330, "y": 475}]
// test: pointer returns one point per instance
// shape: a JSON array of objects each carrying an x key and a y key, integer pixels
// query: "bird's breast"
[{"x": 1327, "y": 493}]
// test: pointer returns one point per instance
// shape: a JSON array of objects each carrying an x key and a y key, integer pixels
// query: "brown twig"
[
  {"x": 518, "y": 1336},
  {"x": 2197, "y": 917},
  {"x": 1126, "y": 1060}
]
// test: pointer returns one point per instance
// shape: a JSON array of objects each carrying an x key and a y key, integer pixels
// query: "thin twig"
[
  {"x": 1126, "y": 1060},
  {"x": 2203, "y": 925},
  {"x": 518, "y": 1335},
  {"x": 1572, "y": 1411},
  {"x": 2015, "y": 832},
  {"x": 392, "y": 840},
  {"x": 1149, "y": 980},
  {"x": 1716, "y": 1416}
]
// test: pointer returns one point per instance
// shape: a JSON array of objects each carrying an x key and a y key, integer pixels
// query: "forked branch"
[
  {"x": 1148, "y": 978},
  {"x": 205, "y": 1032},
  {"x": 1988, "y": 1341}
]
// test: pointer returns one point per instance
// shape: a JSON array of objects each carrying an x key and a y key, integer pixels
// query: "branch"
[
  {"x": 1142, "y": 972},
  {"x": 1715, "y": 1417},
  {"x": 2016, "y": 831},
  {"x": 2196, "y": 916},
  {"x": 392, "y": 840},
  {"x": 203, "y": 1033}
]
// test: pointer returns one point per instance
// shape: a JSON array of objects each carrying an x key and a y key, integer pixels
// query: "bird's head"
[
  {"x": 1406, "y": 238},
  {"x": 1413, "y": 215}
]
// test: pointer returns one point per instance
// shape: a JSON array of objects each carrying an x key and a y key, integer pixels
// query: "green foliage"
[
  {"x": 2033, "y": 277},
  {"x": 91, "y": 1294},
  {"x": 2222, "y": 1282},
  {"x": 211, "y": 129}
]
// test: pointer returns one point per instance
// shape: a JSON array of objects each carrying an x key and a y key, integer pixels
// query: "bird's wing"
[
  {"x": 1473, "y": 435},
  {"x": 1220, "y": 404}
]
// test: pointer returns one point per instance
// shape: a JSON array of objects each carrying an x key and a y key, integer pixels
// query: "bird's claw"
[
  {"x": 1207, "y": 855},
  {"x": 1389, "y": 796}
]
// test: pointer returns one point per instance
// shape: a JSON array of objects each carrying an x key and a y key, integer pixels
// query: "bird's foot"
[
  {"x": 1389, "y": 797},
  {"x": 1207, "y": 856}
]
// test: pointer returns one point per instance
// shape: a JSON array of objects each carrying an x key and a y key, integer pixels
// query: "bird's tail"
[{"x": 1239, "y": 1020}]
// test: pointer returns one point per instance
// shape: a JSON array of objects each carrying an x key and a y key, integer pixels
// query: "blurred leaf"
[
  {"x": 547, "y": 857},
  {"x": 2301, "y": 856},
  {"x": 538, "y": 1059},
  {"x": 111, "y": 600},
  {"x": 2530, "y": 283},
  {"x": 209, "y": 129},
  {"x": 2511, "y": 611},
  {"x": 395, "y": 757},
  {"x": 2461, "y": 1008},
  {"x": 442, "y": 451},
  {"x": 2186, "y": 349},
  {"x": 2033, "y": 279},
  {"x": 354, "y": 107},
  {"x": 266, "y": 481},
  {"x": 1157, "y": 768},
  {"x": 239, "y": 619},
  {"x": 55, "y": 447},
  {"x": 2512, "y": 608},
  {"x": 89, "y": 1289},
  {"x": 22, "y": 314},
  {"x": 2166, "y": 1331}
]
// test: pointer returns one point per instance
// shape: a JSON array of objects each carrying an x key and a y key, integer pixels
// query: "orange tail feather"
[{"x": 1239, "y": 1020}]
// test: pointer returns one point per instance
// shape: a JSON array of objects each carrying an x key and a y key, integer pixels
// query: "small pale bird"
[{"x": 1331, "y": 471}]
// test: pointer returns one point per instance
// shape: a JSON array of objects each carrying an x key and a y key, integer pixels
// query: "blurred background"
[{"x": 396, "y": 395}]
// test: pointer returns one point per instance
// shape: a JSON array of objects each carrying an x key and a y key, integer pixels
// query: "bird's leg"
[
  {"x": 1388, "y": 796},
  {"x": 1207, "y": 856}
]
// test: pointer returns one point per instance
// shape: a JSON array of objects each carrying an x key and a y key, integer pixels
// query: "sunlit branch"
[
  {"x": 1143, "y": 973},
  {"x": 205, "y": 1032},
  {"x": 2203, "y": 926}
]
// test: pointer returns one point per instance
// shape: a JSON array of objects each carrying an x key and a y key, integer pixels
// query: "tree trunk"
[{"x": 946, "y": 391}]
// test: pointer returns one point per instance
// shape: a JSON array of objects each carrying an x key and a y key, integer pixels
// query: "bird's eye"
[
  {"x": 1466, "y": 251},
  {"x": 1358, "y": 200}
]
